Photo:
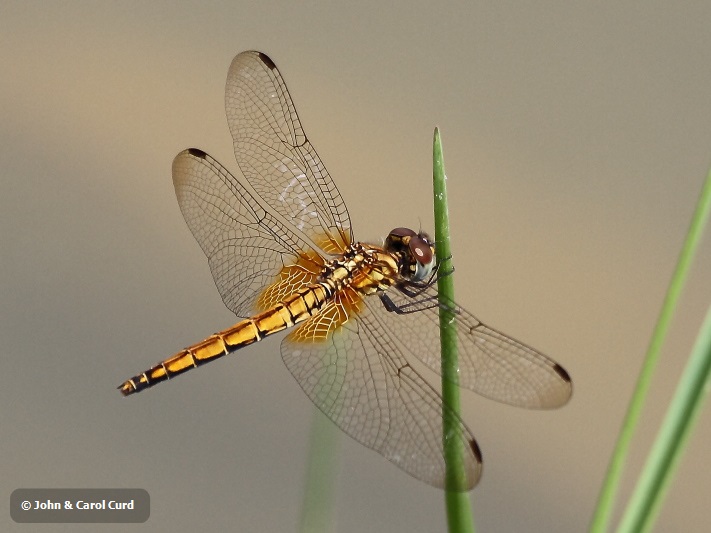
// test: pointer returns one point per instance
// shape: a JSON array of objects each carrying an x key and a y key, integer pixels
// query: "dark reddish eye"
[
  {"x": 421, "y": 250},
  {"x": 403, "y": 232}
]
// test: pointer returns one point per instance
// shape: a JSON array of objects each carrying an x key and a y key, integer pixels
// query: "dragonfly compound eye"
[
  {"x": 398, "y": 239},
  {"x": 423, "y": 255}
]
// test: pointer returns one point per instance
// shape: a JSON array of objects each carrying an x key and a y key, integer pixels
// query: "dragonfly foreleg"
[
  {"x": 407, "y": 308},
  {"x": 414, "y": 306},
  {"x": 414, "y": 288}
]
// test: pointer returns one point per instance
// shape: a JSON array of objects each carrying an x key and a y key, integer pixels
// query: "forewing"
[
  {"x": 490, "y": 362},
  {"x": 247, "y": 247},
  {"x": 277, "y": 158},
  {"x": 355, "y": 373}
]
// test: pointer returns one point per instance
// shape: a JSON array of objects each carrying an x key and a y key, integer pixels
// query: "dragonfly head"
[{"x": 415, "y": 250}]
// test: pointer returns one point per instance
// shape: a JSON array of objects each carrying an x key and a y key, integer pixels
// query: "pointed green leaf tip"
[{"x": 459, "y": 514}]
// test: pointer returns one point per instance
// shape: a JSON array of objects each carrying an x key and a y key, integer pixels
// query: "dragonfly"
[{"x": 281, "y": 250}]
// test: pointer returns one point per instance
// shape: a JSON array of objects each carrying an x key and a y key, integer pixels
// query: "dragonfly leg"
[
  {"x": 440, "y": 272},
  {"x": 398, "y": 309},
  {"x": 420, "y": 286},
  {"x": 414, "y": 306}
]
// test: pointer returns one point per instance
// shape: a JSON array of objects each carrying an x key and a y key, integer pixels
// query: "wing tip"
[
  {"x": 466, "y": 479},
  {"x": 562, "y": 372},
  {"x": 476, "y": 451},
  {"x": 564, "y": 389},
  {"x": 196, "y": 152},
  {"x": 264, "y": 58}
]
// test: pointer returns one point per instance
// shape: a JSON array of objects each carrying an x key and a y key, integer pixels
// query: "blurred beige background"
[{"x": 577, "y": 137}]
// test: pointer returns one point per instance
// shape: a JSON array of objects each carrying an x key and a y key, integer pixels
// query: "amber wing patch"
[
  {"x": 333, "y": 315},
  {"x": 290, "y": 279}
]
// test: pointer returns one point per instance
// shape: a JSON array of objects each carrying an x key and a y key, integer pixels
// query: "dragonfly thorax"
[
  {"x": 363, "y": 267},
  {"x": 415, "y": 251}
]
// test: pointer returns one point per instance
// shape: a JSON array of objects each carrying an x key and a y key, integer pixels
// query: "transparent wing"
[
  {"x": 277, "y": 158},
  {"x": 358, "y": 377},
  {"x": 246, "y": 246},
  {"x": 490, "y": 362}
]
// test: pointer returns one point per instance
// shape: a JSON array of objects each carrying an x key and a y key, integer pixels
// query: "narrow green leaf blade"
[
  {"x": 459, "y": 514},
  {"x": 603, "y": 511}
]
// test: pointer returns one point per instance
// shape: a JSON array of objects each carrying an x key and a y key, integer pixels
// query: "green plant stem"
[
  {"x": 459, "y": 515},
  {"x": 320, "y": 476},
  {"x": 601, "y": 518},
  {"x": 683, "y": 411}
]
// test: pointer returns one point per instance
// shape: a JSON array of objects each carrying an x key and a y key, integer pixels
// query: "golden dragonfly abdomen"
[{"x": 293, "y": 310}]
